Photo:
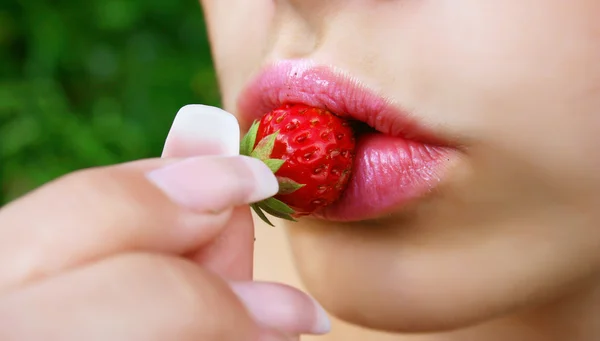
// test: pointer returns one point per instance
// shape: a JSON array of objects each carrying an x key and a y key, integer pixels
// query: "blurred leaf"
[
  {"x": 93, "y": 83},
  {"x": 19, "y": 133}
]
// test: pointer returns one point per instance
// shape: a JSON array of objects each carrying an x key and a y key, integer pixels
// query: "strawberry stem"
[{"x": 263, "y": 151}]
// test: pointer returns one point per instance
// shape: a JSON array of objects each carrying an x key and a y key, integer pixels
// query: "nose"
[{"x": 300, "y": 25}]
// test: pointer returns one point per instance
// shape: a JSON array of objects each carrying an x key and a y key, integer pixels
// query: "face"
[{"x": 511, "y": 87}]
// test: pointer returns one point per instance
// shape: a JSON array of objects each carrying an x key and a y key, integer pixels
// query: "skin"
[
  {"x": 132, "y": 252},
  {"x": 507, "y": 247}
]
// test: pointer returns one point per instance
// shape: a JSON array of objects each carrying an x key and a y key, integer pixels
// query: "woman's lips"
[
  {"x": 388, "y": 173},
  {"x": 399, "y": 163}
]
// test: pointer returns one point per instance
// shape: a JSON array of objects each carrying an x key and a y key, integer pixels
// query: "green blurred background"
[{"x": 88, "y": 83}]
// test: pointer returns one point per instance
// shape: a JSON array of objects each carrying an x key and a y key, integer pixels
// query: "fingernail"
[
  {"x": 266, "y": 182},
  {"x": 202, "y": 130},
  {"x": 282, "y": 308},
  {"x": 215, "y": 183}
]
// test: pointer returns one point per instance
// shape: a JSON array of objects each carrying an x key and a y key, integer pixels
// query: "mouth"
[{"x": 397, "y": 159}]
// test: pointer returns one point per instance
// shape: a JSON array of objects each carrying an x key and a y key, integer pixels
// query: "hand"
[{"x": 158, "y": 249}]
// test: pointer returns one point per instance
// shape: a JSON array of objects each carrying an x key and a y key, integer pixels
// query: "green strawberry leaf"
[
  {"x": 277, "y": 214},
  {"x": 260, "y": 214},
  {"x": 249, "y": 139},
  {"x": 274, "y": 164},
  {"x": 264, "y": 147},
  {"x": 277, "y": 205},
  {"x": 287, "y": 185}
]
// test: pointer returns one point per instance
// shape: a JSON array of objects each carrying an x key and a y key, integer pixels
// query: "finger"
[
  {"x": 155, "y": 298},
  {"x": 231, "y": 254},
  {"x": 289, "y": 311},
  {"x": 205, "y": 130},
  {"x": 93, "y": 213}
]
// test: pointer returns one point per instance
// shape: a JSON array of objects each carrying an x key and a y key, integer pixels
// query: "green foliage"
[{"x": 89, "y": 83}]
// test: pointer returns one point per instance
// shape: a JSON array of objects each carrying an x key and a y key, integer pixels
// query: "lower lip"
[{"x": 389, "y": 172}]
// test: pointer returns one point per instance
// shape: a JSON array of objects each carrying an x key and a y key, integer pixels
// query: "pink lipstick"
[{"x": 396, "y": 162}]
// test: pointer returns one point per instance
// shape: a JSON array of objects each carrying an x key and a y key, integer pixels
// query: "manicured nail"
[
  {"x": 202, "y": 130},
  {"x": 283, "y": 308},
  {"x": 266, "y": 184},
  {"x": 215, "y": 183}
]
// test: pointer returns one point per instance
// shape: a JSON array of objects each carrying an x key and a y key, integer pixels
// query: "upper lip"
[{"x": 305, "y": 82}]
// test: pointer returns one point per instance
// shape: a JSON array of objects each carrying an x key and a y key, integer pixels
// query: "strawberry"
[{"x": 311, "y": 152}]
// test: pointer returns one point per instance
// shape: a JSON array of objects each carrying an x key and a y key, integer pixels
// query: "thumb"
[{"x": 206, "y": 130}]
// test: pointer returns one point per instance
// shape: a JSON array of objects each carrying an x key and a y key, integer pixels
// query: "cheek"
[
  {"x": 521, "y": 77},
  {"x": 239, "y": 33},
  {"x": 496, "y": 66}
]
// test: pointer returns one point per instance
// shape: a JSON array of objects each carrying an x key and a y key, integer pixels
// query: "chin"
[
  {"x": 394, "y": 278},
  {"x": 368, "y": 285}
]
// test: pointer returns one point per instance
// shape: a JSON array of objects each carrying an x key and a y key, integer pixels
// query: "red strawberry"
[{"x": 311, "y": 152}]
